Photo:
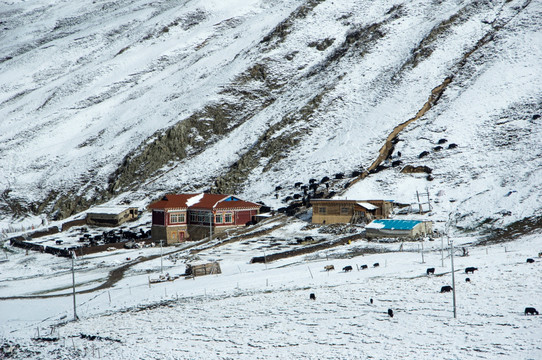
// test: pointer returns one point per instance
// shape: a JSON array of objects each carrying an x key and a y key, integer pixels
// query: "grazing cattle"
[
  {"x": 376, "y": 265},
  {"x": 467, "y": 280},
  {"x": 452, "y": 146},
  {"x": 530, "y": 311},
  {"x": 298, "y": 184},
  {"x": 530, "y": 261},
  {"x": 312, "y": 296},
  {"x": 319, "y": 195},
  {"x": 446, "y": 288},
  {"x": 363, "y": 267},
  {"x": 390, "y": 312},
  {"x": 329, "y": 267},
  {"x": 437, "y": 148},
  {"x": 423, "y": 154},
  {"x": 312, "y": 181},
  {"x": 540, "y": 254},
  {"x": 347, "y": 268},
  {"x": 396, "y": 163},
  {"x": 58, "y": 242},
  {"x": 339, "y": 176},
  {"x": 371, "y": 300},
  {"x": 324, "y": 179},
  {"x": 277, "y": 188},
  {"x": 470, "y": 270},
  {"x": 430, "y": 271},
  {"x": 442, "y": 141}
]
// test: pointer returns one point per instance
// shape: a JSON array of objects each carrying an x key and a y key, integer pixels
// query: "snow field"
[{"x": 259, "y": 311}]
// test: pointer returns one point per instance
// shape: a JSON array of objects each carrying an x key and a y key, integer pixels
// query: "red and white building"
[{"x": 180, "y": 217}]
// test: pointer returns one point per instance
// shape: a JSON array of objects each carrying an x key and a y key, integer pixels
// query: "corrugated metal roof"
[
  {"x": 390, "y": 224},
  {"x": 367, "y": 206}
]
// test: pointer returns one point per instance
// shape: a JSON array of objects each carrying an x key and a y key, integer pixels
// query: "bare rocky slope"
[{"x": 125, "y": 100}]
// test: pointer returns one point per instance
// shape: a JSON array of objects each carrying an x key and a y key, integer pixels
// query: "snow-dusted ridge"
[{"x": 272, "y": 94}]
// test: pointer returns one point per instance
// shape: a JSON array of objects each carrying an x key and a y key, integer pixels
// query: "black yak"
[{"x": 530, "y": 311}]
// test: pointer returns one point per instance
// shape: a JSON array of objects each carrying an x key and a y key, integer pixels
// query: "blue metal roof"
[{"x": 397, "y": 224}]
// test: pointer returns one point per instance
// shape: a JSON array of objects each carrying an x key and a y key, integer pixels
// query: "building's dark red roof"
[
  {"x": 171, "y": 201},
  {"x": 202, "y": 201}
]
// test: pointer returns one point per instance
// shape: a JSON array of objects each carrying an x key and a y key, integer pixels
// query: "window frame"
[
  {"x": 177, "y": 218},
  {"x": 226, "y": 215}
]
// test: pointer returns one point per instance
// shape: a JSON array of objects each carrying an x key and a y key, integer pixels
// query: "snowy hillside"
[
  {"x": 122, "y": 101},
  {"x": 263, "y": 311}
]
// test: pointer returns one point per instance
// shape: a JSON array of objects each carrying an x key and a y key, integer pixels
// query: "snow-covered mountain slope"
[{"x": 124, "y": 100}]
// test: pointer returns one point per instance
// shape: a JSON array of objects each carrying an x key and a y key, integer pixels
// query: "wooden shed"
[{"x": 203, "y": 269}]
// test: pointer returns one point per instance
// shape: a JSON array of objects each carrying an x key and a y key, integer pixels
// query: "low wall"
[
  {"x": 69, "y": 224},
  {"x": 304, "y": 250},
  {"x": 49, "y": 231}
]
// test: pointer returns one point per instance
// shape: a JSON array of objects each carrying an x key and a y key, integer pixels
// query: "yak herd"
[
  {"x": 429, "y": 271},
  {"x": 112, "y": 236}
]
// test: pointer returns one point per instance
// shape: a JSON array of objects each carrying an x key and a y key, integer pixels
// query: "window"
[
  {"x": 158, "y": 217},
  {"x": 228, "y": 218},
  {"x": 201, "y": 217},
  {"x": 345, "y": 210},
  {"x": 176, "y": 218},
  {"x": 218, "y": 218},
  {"x": 322, "y": 210}
]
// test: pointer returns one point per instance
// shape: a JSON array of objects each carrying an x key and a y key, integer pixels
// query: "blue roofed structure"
[{"x": 398, "y": 228}]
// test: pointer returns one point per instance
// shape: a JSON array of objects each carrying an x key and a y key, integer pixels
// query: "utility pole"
[
  {"x": 441, "y": 250},
  {"x": 75, "y": 317},
  {"x": 453, "y": 276},
  {"x": 210, "y": 225}
]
